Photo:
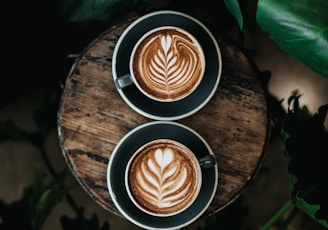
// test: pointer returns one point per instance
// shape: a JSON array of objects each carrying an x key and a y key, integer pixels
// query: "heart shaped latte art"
[{"x": 163, "y": 180}]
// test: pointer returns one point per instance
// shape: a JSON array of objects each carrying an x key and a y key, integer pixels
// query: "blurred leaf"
[
  {"x": 278, "y": 114},
  {"x": 312, "y": 209},
  {"x": 234, "y": 9},
  {"x": 45, "y": 118},
  {"x": 306, "y": 144},
  {"x": 82, "y": 223},
  {"x": 17, "y": 209},
  {"x": 93, "y": 10},
  {"x": 35, "y": 205},
  {"x": 46, "y": 115},
  {"x": 45, "y": 197},
  {"x": 9, "y": 131},
  {"x": 300, "y": 28},
  {"x": 231, "y": 217}
]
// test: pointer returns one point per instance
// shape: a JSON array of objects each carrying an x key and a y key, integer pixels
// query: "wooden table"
[{"x": 92, "y": 118}]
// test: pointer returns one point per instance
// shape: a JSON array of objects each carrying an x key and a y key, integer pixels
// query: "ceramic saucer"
[
  {"x": 168, "y": 110},
  {"x": 125, "y": 149}
]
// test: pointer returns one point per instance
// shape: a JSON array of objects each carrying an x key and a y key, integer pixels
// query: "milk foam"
[
  {"x": 163, "y": 179},
  {"x": 170, "y": 64}
]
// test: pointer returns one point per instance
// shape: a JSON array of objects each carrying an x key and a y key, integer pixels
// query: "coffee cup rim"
[
  {"x": 199, "y": 97},
  {"x": 162, "y": 28},
  {"x": 198, "y": 168},
  {"x": 118, "y": 161}
]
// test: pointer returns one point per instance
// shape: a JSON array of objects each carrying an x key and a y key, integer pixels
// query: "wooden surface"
[{"x": 92, "y": 118}]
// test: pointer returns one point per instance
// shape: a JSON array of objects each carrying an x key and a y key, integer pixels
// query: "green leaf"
[
  {"x": 310, "y": 210},
  {"x": 44, "y": 206},
  {"x": 234, "y": 8},
  {"x": 45, "y": 197},
  {"x": 35, "y": 205},
  {"x": 300, "y": 28},
  {"x": 306, "y": 144}
]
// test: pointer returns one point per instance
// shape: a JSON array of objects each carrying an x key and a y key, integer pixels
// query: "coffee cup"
[
  {"x": 166, "y": 64},
  {"x": 162, "y": 175}
]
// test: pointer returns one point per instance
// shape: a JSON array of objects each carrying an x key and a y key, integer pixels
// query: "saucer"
[
  {"x": 168, "y": 110},
  {"x": 125, "y": 149}
]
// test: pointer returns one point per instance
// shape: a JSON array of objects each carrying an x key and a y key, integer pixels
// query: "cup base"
[
  {"x": 199, "y": 97},
  {"x": 126, "y": 148}
]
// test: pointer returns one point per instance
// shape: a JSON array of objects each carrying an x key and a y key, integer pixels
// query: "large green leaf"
[
  {"x": 234, "y": 9},
  {"x": 300, "y": 28},
  {"x": 306, "y": 144}
]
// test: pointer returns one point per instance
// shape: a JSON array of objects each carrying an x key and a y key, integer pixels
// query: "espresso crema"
[
  {"x": 168, "y": 64},
  {"x": 164, "y": 178}
]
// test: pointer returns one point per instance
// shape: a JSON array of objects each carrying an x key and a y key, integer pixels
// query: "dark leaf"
[
  {"x": 234, "y": 9},
  {"x": 45, "y": 197},
  {"x": 35, "y": 205},
  {"x": 46, "y": 115},
  {"x": 82, "y": 223},
  {"x": 231, "y": 217},
  {"x": 306, "y": 144},
  {"x": 91, "y": 10},
  {"x": 8, "y": 131},
  {"x": 10, "y": 212}
]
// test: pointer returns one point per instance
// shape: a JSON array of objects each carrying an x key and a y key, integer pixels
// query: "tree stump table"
[{"x": 92, "y": 118}]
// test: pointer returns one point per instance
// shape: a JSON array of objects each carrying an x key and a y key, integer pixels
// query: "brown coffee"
[
  {"x": 163, "y": 177},
  {"x": 168, "y": 64}
]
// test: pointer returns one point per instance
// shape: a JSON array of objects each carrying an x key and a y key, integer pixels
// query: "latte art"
[
  {"x": 163, "y": 179},
  {"x": 160, "y": 177},
  {"x": 168, "y": 64}
]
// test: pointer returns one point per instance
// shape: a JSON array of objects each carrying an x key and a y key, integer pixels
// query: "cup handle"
[
  {"x": 123, "y": 81},
  {"x": 207, "y": 161}
]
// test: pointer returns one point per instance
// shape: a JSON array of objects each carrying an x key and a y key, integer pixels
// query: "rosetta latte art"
[
  {"x": 170, "y": 64},
  {"x": 163, "y": 180}
]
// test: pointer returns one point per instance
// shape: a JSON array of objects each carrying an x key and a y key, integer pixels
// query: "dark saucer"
[
  {"x": 125, "y": 149},
  {"x": 168, "y": 110}
]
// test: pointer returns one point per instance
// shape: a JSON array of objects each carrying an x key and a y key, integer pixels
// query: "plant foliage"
[
  {"x": 300, "y": 28},
  {"x": 93, "y": 10},
  {"x": 37, "y": 202},
  {"x": 306, "y": 145},
  {"x": 40, "y": 198},
  {"x": 82, "y": 223}
]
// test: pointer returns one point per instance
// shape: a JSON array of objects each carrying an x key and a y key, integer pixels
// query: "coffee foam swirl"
[
  {"x": 171, "y": 64},
  {"x": 163, "y": 179}
]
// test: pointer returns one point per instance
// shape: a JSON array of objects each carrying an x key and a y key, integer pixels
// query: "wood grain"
[{"x": 92, "y": 118}]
